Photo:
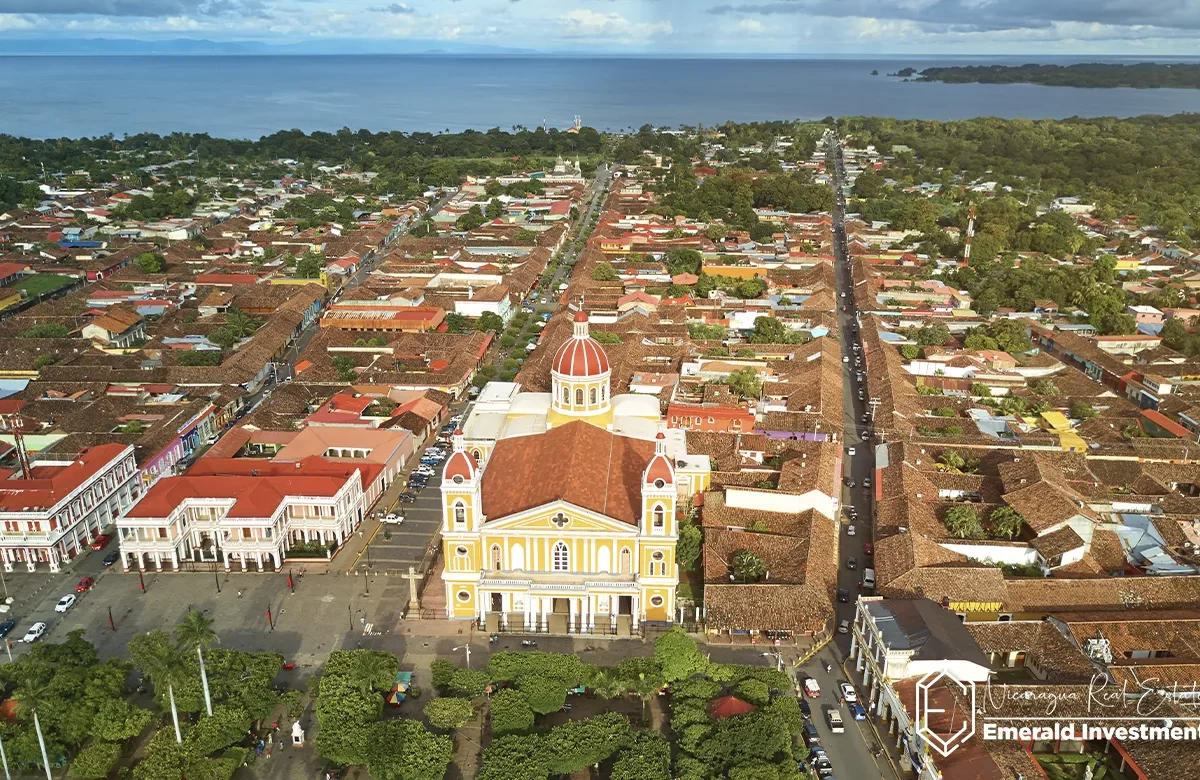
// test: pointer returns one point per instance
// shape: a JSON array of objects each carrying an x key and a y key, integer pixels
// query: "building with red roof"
[
  {"x": 54, "y": 512},
  {"x": 245, "y": 513}
]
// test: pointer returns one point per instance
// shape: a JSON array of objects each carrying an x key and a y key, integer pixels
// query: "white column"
[
  {"x": 571, "y": 619},
  {"x": 592, "y": 603},
  {"x": 274, "y": 557},
  {"x": 174, "y": 559},
  {"x": 124, "y": 561},
  {"x": 636, "y": 610},
  {"x": 505, "y": 606},
  {"x": 482, "y": 607},
  {"x": 530, "y": 613}
]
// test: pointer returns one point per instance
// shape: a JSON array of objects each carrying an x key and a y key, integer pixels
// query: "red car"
[
  {"x": 101, "y": 542},
  {"x": 85, "y": 584},
  {"x": 868, "y": 549}
]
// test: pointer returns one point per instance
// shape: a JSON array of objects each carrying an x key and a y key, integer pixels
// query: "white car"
[
  {"x": 847, "y": 691},
  {"x": 850, "y": 452},
  {"x": 850, "y": 530},
  {"x": 845, "y": 358},
  {"x": 65, "y": 603},
  {"x": 34, "y": 633},
  {"x": 392, "y": 519},
  {"x": 423, "y": 469}
]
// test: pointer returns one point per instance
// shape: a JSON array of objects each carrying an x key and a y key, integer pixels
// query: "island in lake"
[{"x": 1141, "y": 75}]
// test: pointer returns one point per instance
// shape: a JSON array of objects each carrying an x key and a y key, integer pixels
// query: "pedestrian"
[{"x": 239, "y": 594}]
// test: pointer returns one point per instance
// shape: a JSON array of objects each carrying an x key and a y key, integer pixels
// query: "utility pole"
[{"x": 467, "y": 648}]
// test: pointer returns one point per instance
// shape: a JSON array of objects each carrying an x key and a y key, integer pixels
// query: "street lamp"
[{"x": 468, "y": 649}]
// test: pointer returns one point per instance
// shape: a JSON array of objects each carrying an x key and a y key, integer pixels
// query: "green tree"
[
  {"x": 768, "y": 330},
  {"x": 310, "y": 265},
  {"x": 489, "y": 321},
  {"x": 689, "y": 544},
  {"x": 544, "y": 694},
  {"x": 934, "y": 335},
  {"x": 195, "y": 632},
  {"x": 910, "y": 351},
  {"x": 963, "y": 522},
  {"x": 952, "y": 461},
  {"x": 514, "y": 757},
  {"x": 117, "y": 720},
  {"x": 677, "y": 654},
  {"x": 240, "y": 323},
  {"x": 745, "y": 383},
  {"x": 1006, "y": 522},
  {"x": 748, "y": 566},
  {"x": 95, "y": 761},
  {"x": 199, "y": 357},
  {"x": 577, "y": 745},
  {"x": 406, "y": 750},
  {"x": 223, "y": 337},
  {"x": 753, "y": 691},
  {"x": 602, "y": 337},
  {"x": 49, "y": 330},
  {"x": 162, "y": 661},
  {"x": 344, "y": 367},
  {"x": 647, "y": 756},
  {"x": 449, "y": 714},
  {"x": 151, "y": 262},
  {"x": 457, "y": 323},
  {"x": 32, "y": 697},
  {"x": 604, "y": 272},
  {"x": 510, "y": 713},
  {"x": 1082, "y": 410},
  {"x": 703, "y": 332},
  {"x": 981, "y": 390},
  {"x": 468, "y": 682}
]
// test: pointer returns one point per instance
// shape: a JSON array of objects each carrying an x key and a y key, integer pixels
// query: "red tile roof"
[
  {"x": 577, "y": 463},
  {"x": 56, "y": 483}
]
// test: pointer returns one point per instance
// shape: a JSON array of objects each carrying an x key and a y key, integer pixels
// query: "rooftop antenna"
[{"x": 12, "y": 423}]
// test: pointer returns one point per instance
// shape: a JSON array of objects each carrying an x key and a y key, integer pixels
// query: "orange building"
[{"x": 710, "y": 418}]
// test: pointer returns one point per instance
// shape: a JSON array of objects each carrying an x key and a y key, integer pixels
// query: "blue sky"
[{"x": 1069, "y": 27}]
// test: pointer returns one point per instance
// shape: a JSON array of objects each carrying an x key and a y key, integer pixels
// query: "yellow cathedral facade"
[{"x": 559, "y": 508}]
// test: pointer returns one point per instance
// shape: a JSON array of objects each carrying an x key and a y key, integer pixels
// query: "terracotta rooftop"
[{"x": 577, "y": 463}]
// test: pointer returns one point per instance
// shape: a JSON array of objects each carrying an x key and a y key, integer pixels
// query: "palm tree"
[
  {"x": 165, "y": 666},
  {"x": 31, "y": 696},
  {"x": 195, "y": 632},
  {"x": 240, "y": 322},
  {"x": 369, "y": 669}
]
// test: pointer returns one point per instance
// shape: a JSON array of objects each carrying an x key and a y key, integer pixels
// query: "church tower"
[{"x": 579, "y": 378}]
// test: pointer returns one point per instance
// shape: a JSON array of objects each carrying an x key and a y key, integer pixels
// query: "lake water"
[{"x": 249, "y": 96}]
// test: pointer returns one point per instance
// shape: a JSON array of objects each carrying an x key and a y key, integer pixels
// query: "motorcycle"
[
  {"x": 828, "y": 667},
  {"x": 528, "y": 643}
]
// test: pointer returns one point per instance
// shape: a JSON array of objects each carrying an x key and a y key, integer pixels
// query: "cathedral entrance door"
[
  {"x": 625, "y": 605},
  {"x": 560, "y": 611}
]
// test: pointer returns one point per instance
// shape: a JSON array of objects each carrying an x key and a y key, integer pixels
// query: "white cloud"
[
  {"x": 586, "y": 23},
  {"x": 16, "y": 22},
  {"x": 752, "y": 26}
]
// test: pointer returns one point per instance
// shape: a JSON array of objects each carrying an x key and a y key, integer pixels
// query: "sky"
[{"x": 1143, "y": 28}]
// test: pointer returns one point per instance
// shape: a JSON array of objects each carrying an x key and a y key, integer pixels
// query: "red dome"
[
  {"x": 580, "y": 356},
  {"x": 659, "y": 468},
  {"x": 461, "y": 464}
]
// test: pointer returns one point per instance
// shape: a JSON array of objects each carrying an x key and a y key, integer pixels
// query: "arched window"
[
  {"x": 561, "y": 557},
  {"x": 516, "y": 555},
  {"x": 566, "y": 395},
  {"x": 604, "y": 393},
  {"x": 475, "y": 455},
  {"x": 460, "y": 516},
  {"x": 593, "y": 396},
  {"x": 626, "y": 561},
  {"x": 497, "y": 563},
  {"x": 579, "y": 397},
  {"x": 660, "y": 516},
  {"x": 603, "y": 560}
]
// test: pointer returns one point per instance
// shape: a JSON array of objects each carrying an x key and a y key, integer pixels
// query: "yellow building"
[{"x": 559, "y": 509}]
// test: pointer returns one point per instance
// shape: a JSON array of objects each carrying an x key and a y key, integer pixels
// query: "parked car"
[
  {"x": 850, "y": 452},
  {"x": 6, "y": 627},
  {"x": 392, "y": 519},
  {"x": 65, "y": 603},
  {"x": 866, "y": 482},
  {"x": 851, "y": 563},
  {"x": 407, "y": 498},
  {"x": 811, "y": 688},
  {"x": 843, "y": 595},
  {"x": 805, "y": 709},
  {"x": 868, "y": 549},
  {"x": 850, "y": 530},
  {"x": 811, "y": 735},
  {"x": 112, "y": 558},
  {"x": 844, "y": 627},
  {"x": 847, "y": 691},
  {"x": 85, "y": 584},
  {"x": 101, "y": 541},
  {"x": 34, "y": 633},
  {"x": 857, "y": 712}
]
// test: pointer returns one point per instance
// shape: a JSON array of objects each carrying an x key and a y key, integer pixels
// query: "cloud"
[
  {"x": 751, "y": 26},
  {"x": 586, "y": 23},
  {"x": 154, "y": 8},
  {"x": 395, "y": 8},
  {"x": 985, "y": 15}
]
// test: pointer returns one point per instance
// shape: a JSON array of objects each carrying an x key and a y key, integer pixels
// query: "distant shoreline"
[{"x": 1095, "y": 75}]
